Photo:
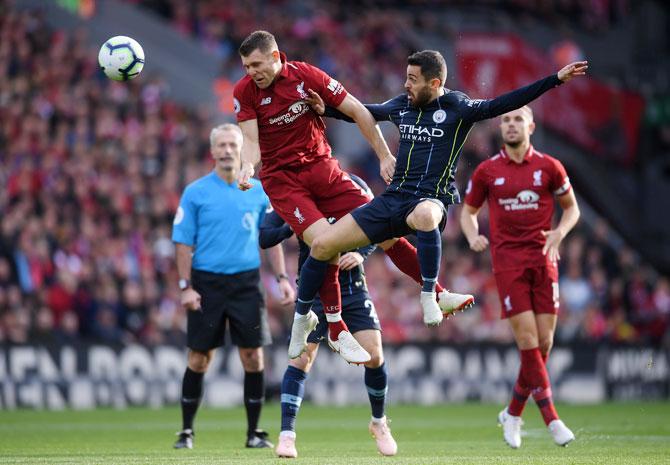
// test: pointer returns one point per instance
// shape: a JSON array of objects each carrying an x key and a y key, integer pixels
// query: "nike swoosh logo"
[{"x": 403, "y": 113}]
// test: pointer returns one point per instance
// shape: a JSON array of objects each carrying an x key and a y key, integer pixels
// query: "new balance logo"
[
  {"x": 266, "y": 101},
  {"x": 403, "y": 113},
  {"x": 499, "y": 182},
  {"x": 298, "y": 215}
]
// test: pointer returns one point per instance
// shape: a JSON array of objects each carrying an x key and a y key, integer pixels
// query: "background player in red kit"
[
  {"x": 519, "y": 184},
  {"x": 304, "y": 182}
]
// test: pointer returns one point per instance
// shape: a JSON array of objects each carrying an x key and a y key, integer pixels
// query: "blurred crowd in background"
[{"x": 92, "y": 172}]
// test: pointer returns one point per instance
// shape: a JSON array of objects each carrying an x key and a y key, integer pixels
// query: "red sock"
[
  {"x": 332, "y": 301},
  {"x": 403, "y": 256},
  {"x": 535, "y": 376},
  {"x": 520, "y": 395}
]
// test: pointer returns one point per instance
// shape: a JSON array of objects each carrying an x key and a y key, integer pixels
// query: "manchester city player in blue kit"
[
  {"x": 434, "y": 123},
  {"x": 360, "y": 316}
]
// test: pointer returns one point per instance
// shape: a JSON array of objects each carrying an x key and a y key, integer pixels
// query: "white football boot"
[
  {"x": 511, "y": 427},
  {"x": 432, "y": 313},
  {"x": 561, "y": 433},
  {"x": 349, "y": 348},
  {"x": 451, "y": 302},
  {"x": 302, "y": 326}
]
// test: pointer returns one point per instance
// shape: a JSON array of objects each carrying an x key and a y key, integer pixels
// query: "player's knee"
[
  {"x": 321, "y": 249},
  {"x": 425, "y": 217},
  {"x": 304, "y": 362},
  {"x": 527, "y": 340},
  {"x": 545, "y": 345},
  {"x": 376, "y": 358},
  {"x": 252, "y": 360},
  {"x": 198, "y": 361}
]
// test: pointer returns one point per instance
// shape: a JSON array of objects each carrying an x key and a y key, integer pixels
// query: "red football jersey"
[
  {"x": 521, "y": 205},
  {"x": 290, "y": 134}
]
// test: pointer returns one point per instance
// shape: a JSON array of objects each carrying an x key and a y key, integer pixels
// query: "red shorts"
[
  {"x": 525, "y": 289},
  {"x": 305, "y": 195}
]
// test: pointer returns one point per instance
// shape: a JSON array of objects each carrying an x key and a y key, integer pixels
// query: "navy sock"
[
  {"x": 312, "y": 274},
  {"x": 429, "y": 252},
  {"x": 292, "y": 391},
  {"x": 376, "y": 382},
  {"x": 191, "y": 394},
  {"x": 254, "y": 397}
]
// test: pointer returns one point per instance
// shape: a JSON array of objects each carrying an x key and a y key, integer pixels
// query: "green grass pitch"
[{"x": 629, "y": 433}]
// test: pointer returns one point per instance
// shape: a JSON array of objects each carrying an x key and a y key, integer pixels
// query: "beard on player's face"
[{"x": 421, "y": 97}]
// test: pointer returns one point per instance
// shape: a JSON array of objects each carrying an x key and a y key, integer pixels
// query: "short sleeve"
[
  {"x": 560, "y": 182},
  {"x": 243, "y": 101},
  {"x": 185, "y": 220},
  {"x": 477, "y": 190},
  {"x": 331, "y": 91},
  {"x": 265, "y": 206}
]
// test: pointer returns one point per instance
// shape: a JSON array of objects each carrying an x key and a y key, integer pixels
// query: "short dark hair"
[
  {"x": 432, "y": 64},
  {"x": 258, "y": 40}
]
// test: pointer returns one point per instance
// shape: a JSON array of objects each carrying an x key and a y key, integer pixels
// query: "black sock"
[
  {"x": 191, "y": 394},
  {"x": 254, "y": 397}
]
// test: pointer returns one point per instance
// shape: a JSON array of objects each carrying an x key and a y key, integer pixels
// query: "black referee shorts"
[{"x": 235, "y": 298}]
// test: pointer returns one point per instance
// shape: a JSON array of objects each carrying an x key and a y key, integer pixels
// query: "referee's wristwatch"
[
  {"x": 281, "y": 276},
  {"x": 184, "y": 284}
]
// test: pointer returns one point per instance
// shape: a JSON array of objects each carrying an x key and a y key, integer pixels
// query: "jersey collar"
[
  {"x": 284, "y": 65},
  {"x": 527, "y": 158}
]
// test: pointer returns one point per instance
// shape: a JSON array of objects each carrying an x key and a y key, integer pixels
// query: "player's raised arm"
[
  {"x": 251, "y": 153},
  {"x": 379, "y": 111},
  {"x": 351, "y": 107},
  {"x": 477, "y": 110}
]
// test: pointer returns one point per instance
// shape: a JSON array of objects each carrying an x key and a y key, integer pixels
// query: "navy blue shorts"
[
  {"x": 385, "y": 217},
  {"x": 358, "y": 312}
]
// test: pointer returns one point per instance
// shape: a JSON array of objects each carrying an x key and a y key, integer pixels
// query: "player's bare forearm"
[
  {"x": 570, "y": 214},
  {"x": 470, "y": 228},
  {"x": 351, "y": 107},
  {"x": 184, "y": 258},
  {"x": 250, "y": 153},
  {"x": 275, "y": 257}
]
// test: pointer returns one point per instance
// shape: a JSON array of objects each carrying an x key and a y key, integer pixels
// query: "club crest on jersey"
[
  {"x": 301, "y": 90},
  {"x": 298, "y": 215},
  {"x": 537, "y": 178},
  {"x": 439, "y": 116}
]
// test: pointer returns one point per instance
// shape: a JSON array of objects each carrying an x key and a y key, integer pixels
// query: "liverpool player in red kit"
[
  {"x": 304, "y": 182},
  {"x": 520, "y": 184}
]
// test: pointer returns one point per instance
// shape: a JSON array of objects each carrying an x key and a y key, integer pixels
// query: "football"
[{"x": 121, "y": 58}]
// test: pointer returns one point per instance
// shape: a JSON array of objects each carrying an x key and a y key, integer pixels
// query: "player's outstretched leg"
[
  {"x": 404, "y": 257},
  {"x": 292, "y": 392}
]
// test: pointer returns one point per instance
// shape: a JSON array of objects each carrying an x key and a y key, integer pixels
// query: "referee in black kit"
[{"x": 216, "y": 231}]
